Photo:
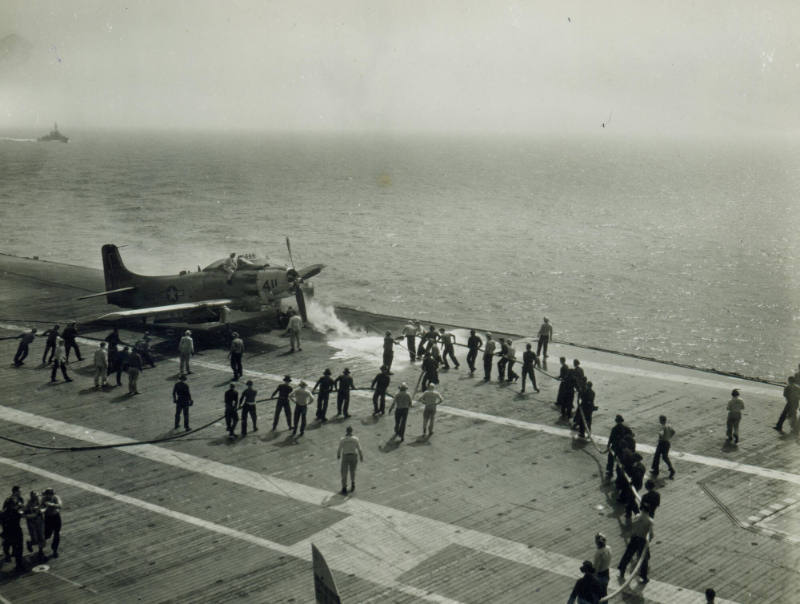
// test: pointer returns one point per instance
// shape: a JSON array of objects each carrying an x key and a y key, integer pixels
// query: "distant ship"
[{"x": 54, "y": 135}]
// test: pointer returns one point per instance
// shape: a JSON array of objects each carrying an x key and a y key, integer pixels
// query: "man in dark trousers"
[
  {"x": 283, "y": 391},
  {"x": 325, "y": 385},
  {"x": 488, "y": 357},
  {"x": 430, "y": 373},
  {"x": 403, "y": 402},
  {"x": 231, "y": 406},
  {"x": 411, "y": 331},
  {"x": 618, "y": 435},
  {"x": 583, "y": 419},
  {"x": 13, "y": 510},
  {"x": 641, "y": 529},
  {"x": 183, "y": 400},
  {"x": 343, "y": 385},
  {"x": 143, "y": 348},
  {"x": 113, "y": 341},
  {"x": 792, "y": 395},
  {"x": 529, "y": 361},
  {"x": 448, "y": 348},
  {"x": 426, "y": 341},
  {"x": 52, "y": 518},
  {"x": 587, "y": 589},
  {"x": 652, "y": 499},
  {"x": 380, "y": 384},
  {"x": 50, "y": 344},
  {"x": 25, "y": 340},
  {"x": 236, "y": 353},
  {"x": 388, "y": 350},
  {"x": 502, "y": 361},
  {"x": 70, "y": 334},
  {"x": 247, "y": 402},
  {"x": 60, "y": 362},
  {"x": 474, "y": 344},
  {"x": 122, "y": 363},
  {"x": 665, "y": 434}
]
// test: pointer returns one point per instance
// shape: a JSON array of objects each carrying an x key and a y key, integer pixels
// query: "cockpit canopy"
[{"x": 243, "y": 262}]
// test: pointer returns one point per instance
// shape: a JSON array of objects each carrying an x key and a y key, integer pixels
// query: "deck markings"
[{"x": 372, "y": 532}]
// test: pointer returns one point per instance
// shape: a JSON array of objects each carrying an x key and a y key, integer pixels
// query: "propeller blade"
[
  {"x": 301, "y": 303},
  {"x": 310, "y": 271},
  {"x": 289, "y": 247}
]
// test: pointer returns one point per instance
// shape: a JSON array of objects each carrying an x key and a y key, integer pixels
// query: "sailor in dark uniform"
[
  {"x": 50, "y": 344},
  {"x": 343, "y": 385},
  {"x": 325, "y": 385}
]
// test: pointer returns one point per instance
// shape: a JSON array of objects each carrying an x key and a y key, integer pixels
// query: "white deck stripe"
[{"x": 386, "y": 526}]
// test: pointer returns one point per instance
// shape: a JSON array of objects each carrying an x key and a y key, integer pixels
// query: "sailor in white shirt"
[{"x": 349, "y": 452}]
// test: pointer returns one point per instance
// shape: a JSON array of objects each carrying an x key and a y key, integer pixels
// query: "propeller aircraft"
[{"x": 244, "y": 283}]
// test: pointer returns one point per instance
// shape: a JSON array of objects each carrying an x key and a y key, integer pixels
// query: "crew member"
[
  {"x": 293, "y": 329},
  {"x": 578, "y": 378},
  {"x": 134, "y": 369},
  {"x": 122, "y": 363},
  {"x": 301, "y": 397},
  {"x": 60, "y": 361},
  {"x": 403, "y": 402},
  {"x": 602, "y": 562},
  {"x": 52, "y": 518},
  {"x": 182, "y": 399},
  {"x": 349, "y": 452},
  {"x": 566, "y": 389},
  {"x": 13, "y": 509},
  {"x": 430, "y": 371},
  {"x": 113, "y": 340},
  {"x": 587, "y": 589},
  {"x": 529, "y": 361},
  {"x": 25, "y": 339},
  {"x": 143, "y": 348},
  {"x": 792, "y": 395},
  {"x": 651, "y": 499},
  {"x": 488, "y": 354},
  {"x": 474, "y": 344},
  {"x": 325, "y": 384},
  {"x": 735, "y": 406},
  {"x": 236, "y": 352},
  {"x": 545, "y": 335},
  {"x": 186, "y": 350},
  {"x": 665, "y": 434},
  {"x": 388, "y": 351},
  {"x": 583, "y": 419},
  {"x": 343, "y": 385},
  {"x": 448, "y": 348},
  {"x": 229, "y": 266},
  {"x": 50, "y": 344},
  {"x": 231, "y": 407},
  {"x": 511, "y": 356},
  {"x": 247, "y": 402},
  {"x": 430, "y": 398},
  {"x": 283, "y": 391},
  {"x": 502, "y": 362},
  {"x": 380, "y": 383},
  {"x": 101, "y": 366},
  {"x": 426, "y": 341},
  {"x": 34, "y": 518},
  {"x": 410, "y": 331},
  {"x": 69, "y": 334},
  {"x": 641, "y": 528},
  {"x": 616, "y": 440}
]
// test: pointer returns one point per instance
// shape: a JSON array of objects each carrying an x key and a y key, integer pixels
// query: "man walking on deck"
[
  {"x": 488, "y": 357},
  {"x": 474, "y": 344},
  {"x": 121, "y": 365},
  {"x": 52, "y": 518},
  {"x": 236, "y": 352},
  {"x": 343, "y": 385},
  {"x": 665, "y": 434},
  {"x": 641, "y": 529},
  {"x": 619, "y": 433},
  {"x": 792, "y": 395},
  {"x": 430, "y": 398},
  {"x": 735, "y": 407},
  {"x": 388, "y": 351},
  {"x": 293, "y": 329},
  {"x": 231, "y": 406},
  {"x": 134, "y": 369},
  {"x": 545, "y": 335},
  {"x": 69, "y": 334},
  {"x": 183, "y": 400},
  {"x": 448, "y": 348},
  {"x": 349, "y": 452},
  {"x": 60, "y": 362}
]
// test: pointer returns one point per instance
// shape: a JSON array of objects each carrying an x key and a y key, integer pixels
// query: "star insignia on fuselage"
[{"x": 173, "y": 294}]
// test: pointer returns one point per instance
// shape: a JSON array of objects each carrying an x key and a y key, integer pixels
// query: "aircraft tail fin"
[{"x": 116, "y": 275}]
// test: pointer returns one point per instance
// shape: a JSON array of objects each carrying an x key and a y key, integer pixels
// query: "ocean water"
[{"x": 685, "y": 250}]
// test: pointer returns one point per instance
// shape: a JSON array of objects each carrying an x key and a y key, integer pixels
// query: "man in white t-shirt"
[
  {"x": 430, "y": 398},
  {"x": 349, "y": 452}
]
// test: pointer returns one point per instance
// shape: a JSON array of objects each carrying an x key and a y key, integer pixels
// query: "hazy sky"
[{"x": 445, "y": 65}]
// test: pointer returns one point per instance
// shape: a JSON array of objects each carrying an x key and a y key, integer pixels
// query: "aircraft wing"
[{"x": 163, "y": 310}]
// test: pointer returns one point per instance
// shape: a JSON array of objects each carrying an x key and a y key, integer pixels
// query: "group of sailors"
[{"x": 42, "y": 513}]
